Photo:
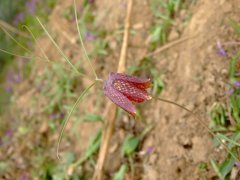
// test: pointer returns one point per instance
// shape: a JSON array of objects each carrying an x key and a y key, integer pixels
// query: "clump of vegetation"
[
  {"x": 225, "y": 117},
  {"x": 14, "y": 17},
  {"x": 165, "y": 12}
]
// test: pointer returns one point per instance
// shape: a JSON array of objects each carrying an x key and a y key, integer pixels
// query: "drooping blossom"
[{"x": 124, "y": 90}]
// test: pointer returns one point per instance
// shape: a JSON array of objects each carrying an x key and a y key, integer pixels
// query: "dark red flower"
[{"x": 123, "y": 90}]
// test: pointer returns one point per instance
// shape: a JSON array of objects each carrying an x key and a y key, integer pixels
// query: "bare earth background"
[{"x": 194, "y": 76}]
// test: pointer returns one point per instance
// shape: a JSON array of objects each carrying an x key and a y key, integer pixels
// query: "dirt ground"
[{"x": 195, "y": 77}]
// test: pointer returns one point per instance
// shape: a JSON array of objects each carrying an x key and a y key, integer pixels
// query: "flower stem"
[
  {"x": 69, "y": 115},
  {"x": 81, "y": 41}
]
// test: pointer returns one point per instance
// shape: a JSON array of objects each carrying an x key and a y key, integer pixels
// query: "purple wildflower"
[
  {"x": 9, "y": 90},
  {"x": 9, "y": 133},
  {"x": 236, "y": 84},
  {"x": 149, "y": 150},
  {"x": 52, "y": 116},
  {"x": 18, "y": 18},
  {"x": 61, "y": 115},
  {"x": 58, "y": 115},
  {"x": 10, "y": 78},
  {"x": 18, "y": 78},
  {"x": 9, "y": 82},
  {"x": 229, "y": 92},
  {"x": 90, "y": 36},
  {"x": 31, "y": 6},
  {"x": 237, "y": 164},
  {"x": 123, "y": 90},
  {"x": 24, "y": 177},
  {"x": 220, "y": 51}
]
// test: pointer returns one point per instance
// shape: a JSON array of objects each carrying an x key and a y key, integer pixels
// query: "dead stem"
[
  {"x": 170, "y": 44},
  {"x": 111, "y": 111}
]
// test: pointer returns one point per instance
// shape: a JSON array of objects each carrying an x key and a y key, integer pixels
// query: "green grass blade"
[
  {"x": 130, "y": 144},
  {"x": 42, "y": 51},
  {"x": 70, "y": 113},
  {"x": 18, "y": 43},
  {"x": 81, "y": 41},
  {"x": 216, "y": 169},
  {"x": 119, "y": 175},
  {"x": 91, "y": 117},
  {"x": 221, "y": 136},
  {"x": 35, "y": 40},
  {"x": 11, "y": 28},
  {"x": 22, "y": 46},
  {"x": 18, "y": 55},
  {"x": 235, "y": 25},
  {"x": 226, "y": 167},
  {"x": 232, "y": 68},
  {"x": 57, "y": 47}
]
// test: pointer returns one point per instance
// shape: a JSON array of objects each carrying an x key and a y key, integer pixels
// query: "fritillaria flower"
[{"x": 124, "y": 90}]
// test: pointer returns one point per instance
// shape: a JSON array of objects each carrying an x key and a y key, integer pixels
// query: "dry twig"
[
  {"x": 169, "y": 45},
  {"x": 111, "y": 112}
]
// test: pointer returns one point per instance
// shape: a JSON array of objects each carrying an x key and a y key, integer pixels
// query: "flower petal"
[
  {"x": 141, "y": 83},
  {"x": 118, "y": 98},
  {"x": 129, "y": 78},
  {"x": 129, "y": 89}
]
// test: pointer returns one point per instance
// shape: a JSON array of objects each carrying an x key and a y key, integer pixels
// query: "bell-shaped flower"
[{"x": 124, "y": 90}]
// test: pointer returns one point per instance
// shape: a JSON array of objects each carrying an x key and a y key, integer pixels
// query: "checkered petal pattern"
[{"x": 123, "y": 90}]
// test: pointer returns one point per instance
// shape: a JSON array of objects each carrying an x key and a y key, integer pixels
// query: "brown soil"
[{"x": 195, "y": 77}]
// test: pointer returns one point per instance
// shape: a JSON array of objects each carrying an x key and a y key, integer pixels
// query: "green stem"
[
  {"x": 81, "y": 41},
  {"x": 57, "y": 47},
  {"x": 70, "y": 113}
]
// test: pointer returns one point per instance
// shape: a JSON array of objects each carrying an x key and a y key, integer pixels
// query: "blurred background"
[{"x": 190, "y": 50}]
